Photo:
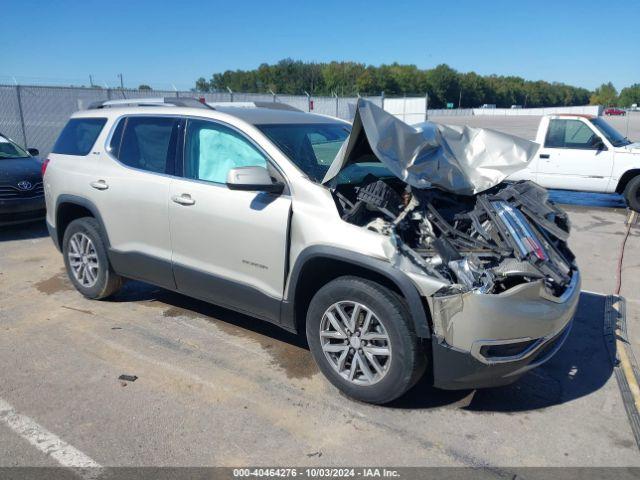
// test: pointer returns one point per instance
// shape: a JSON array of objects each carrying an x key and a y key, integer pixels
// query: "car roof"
[
  {"x": 264, "y": 116},
  {"x": 581, "y": 115},
  {"x": 256, "y": 113}
]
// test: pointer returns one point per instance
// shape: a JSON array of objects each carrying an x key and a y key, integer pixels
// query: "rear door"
[
  {"x": 229, "y": 246},
  {"x": 131, "y": 191},
  {"x": 569, "y": 160}
]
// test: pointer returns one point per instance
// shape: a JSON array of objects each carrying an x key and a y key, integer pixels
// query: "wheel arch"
[
  {"x": 70, "y": 208},
  {"x": 318, "y": 265},
  {"x": 626, "y": 178}
]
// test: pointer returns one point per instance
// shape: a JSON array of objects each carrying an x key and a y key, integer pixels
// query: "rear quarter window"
[
  {"x": 78, "y": 136},
  {"x": 146, "y": 143}
]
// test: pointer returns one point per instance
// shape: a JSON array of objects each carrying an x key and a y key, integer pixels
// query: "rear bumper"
[
  {"x": 22, "y": 210},
  {"x": 53, "y": 233},
  {"x": 492, "y": 340}
]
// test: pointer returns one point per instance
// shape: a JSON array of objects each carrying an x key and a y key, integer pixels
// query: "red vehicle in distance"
[{"x": 614, "y": 111}]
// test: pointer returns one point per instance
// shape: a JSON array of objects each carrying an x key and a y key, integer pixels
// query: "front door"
[
  {"x": 569, "y": 159},
  {"x": 229, "y": 246}
]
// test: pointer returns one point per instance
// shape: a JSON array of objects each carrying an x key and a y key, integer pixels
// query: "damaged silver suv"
[{"x": 396, "y": 249}]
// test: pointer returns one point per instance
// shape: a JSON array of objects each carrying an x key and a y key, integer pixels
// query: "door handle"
[
  {"x": 99, "y": 185},
  {"x": 544, "y": 155},
  {"x": 184, "y": 199}
]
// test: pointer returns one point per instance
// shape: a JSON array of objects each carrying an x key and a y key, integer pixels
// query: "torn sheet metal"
[{"x": 461, "y": 160}]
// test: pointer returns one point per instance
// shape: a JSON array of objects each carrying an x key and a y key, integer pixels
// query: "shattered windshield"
[
  {"x": 614, "y": 136},
  {"x": 8, "y": 149},
  {"x": 312, "y": 147}
]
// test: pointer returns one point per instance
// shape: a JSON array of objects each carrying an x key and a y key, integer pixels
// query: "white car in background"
[{"x": 585, "y": 153}]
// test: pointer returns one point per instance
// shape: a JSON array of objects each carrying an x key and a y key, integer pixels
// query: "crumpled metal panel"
[{"x": 462, "y": 160}]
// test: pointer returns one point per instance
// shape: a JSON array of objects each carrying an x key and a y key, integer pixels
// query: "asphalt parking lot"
[{"x": 218, "y": 388}]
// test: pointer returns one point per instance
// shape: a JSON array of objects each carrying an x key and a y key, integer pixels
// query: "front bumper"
[
  {"x": 22, "y": 210},
  {"x": 491, "y": 340}
]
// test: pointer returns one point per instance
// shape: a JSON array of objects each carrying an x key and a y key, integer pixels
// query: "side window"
[
  {"x": 211, "y": 150},
  {"x": 148, "y": 143},
  {"x": 78, "y": 136},
  {"x": 578, "y": 135},
  {"x": 569, "y": 134}
]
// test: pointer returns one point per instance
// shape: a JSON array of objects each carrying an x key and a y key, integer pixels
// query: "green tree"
[
  {"x": 474, "y": 90},
  {"x": 341, "y": 77},
  {"x": 442, "y": 83},
  {"x": 367, "y": 82},
  {"x": 629, "y": 95},
  {"x": 144, "y": 87},
  {"x": 202, "y": 85},
  {"x": 606, "y": 94}
]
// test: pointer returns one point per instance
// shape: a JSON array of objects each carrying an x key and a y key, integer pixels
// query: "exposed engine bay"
[{"x": 490, "y": 242}]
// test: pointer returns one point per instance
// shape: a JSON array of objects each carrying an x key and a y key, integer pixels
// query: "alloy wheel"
[
  {"x": 83, "y": 259},
  {"x": 355, "y": 342}
]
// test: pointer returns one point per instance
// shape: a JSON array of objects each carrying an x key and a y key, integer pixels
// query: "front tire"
[
  {"x": 86, "y": 261},
  {"x": 363, "y": 340},
  {"x": 632, "y": 193}
]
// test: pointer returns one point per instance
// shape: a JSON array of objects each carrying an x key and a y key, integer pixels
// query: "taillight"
[{"x": 44, "y": 166}]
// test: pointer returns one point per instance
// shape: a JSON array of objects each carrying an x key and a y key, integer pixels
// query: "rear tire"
[
  {"x": 86, "y": 261},
  {"x": 390, "y": 358},
  {"x": 632, "y": 193}
]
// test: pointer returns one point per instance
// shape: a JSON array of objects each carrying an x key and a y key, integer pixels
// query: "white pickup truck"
[{"x": 583, "y": 152}]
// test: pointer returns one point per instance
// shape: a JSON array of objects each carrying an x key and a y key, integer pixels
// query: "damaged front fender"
[{"x": 490, "y": 258}]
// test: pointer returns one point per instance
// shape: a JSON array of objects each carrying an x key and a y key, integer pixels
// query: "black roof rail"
[
  {"x": 189, "y": 102},
  {"x": 255, "y": 104}
]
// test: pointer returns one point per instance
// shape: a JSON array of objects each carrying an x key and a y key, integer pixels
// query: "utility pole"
[
  {"x": 91, "y": 80},
  {"x": 460, "y": 99},
  {"x": 121, "y": 82},
  {"x": 308, "y": 100},
  {"x": 628, "y": 114},
  {"x": 404, "y": 108},
  {"x": 426, "y": 106}
]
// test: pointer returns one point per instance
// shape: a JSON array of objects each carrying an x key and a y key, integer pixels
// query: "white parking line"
[{"x": 48, "y": 443}]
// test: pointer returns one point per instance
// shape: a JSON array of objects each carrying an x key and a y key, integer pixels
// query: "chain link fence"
[{"x": 34, "y": 115}]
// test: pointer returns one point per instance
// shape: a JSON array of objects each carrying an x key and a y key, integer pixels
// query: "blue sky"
[{"x": 583, "y": 43}]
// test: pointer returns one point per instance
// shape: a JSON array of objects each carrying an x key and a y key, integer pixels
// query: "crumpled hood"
[{"x": 461, "y": 160}]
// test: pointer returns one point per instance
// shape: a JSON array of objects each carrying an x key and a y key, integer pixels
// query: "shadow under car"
[{"x": 582, "y": 366}]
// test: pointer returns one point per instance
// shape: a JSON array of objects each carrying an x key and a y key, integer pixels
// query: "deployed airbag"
[{"x": 461, "y": 160}]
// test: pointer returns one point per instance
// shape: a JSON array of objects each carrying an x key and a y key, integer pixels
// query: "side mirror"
[
  {"x": 255, "y": 179},
  {"x": 597, "y": 143},
  {"x": 34, "y": 152}
]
